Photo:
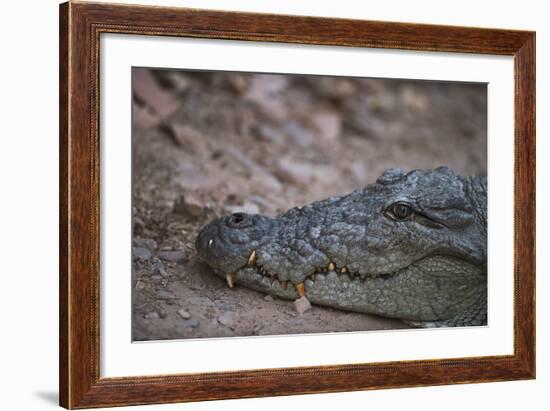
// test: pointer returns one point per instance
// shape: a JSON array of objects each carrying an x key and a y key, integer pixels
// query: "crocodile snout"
[
  {"x": 226, "y": 243},
  {"x": 205, "y": 239}
]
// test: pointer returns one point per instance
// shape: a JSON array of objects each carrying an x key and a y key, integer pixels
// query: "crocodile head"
[{"x": 410, "y": 246}]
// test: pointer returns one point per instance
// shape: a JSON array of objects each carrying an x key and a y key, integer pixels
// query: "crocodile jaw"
[{"x": 434, "y": 280}]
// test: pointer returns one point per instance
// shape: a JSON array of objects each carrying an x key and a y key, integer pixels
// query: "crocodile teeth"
[
  {"x": 230, "y": 278},
  {"x": 344, "y": 270},
  {"x": 252, "y": 259},
  {"x": 300, "y": 289},
  {"x": 331, "y": 266}
]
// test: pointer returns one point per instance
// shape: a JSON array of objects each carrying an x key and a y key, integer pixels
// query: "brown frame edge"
[{"x": 81, "y": 24}]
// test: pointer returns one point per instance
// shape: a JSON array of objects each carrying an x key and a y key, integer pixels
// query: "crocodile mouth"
[
  {"x": 395, "y": 294},
  {"x": 256, "y": 276}
]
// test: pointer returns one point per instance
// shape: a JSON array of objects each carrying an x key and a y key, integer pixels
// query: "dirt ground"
[{"x": 206, "y": 144}]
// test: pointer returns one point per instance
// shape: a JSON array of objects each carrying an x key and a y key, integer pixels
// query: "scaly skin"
[{"x": 411, "y": 246}]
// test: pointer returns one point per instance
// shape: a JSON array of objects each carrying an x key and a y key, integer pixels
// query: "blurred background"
[{"x": 210, "y": 143}]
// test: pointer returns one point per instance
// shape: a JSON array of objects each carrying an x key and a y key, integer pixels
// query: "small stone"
[
  {"x": 187, "y": 137},
  {"x": 142, "y": 253},
  {"x": 148, "y": 243},
  {"x": 267, "y": 133},
  {"x": 162, "y": 314},
  {"x": 359, "y": 171},
  {"x": 414, "y": 100},
  {"x": 328, "y": 125},
  {"x": 192, "y": 323},
  {"x": 268, "y": 298},
  {"x": 200, "y": 301},
  {"x": 144, "y": 117},
  {"x": 295, "y": 172},
  {"x": 263, "y": 202},
  {"x": 165, "y": 295},
  {"x": 300, "y": 134},
  {"x": 302, "y": 305},
  {"x": 227, "y": 319},
  {"x": 153, "y": 315},
  {"x": 162, "y": 272},
  {"x": 184, "y": 314},
  {"x": 342, "y": 88},
  {"x": 188, "y": 206},
  {"x": 247, "y": 207},
  {"x": 178, "y": 81},
  {"x": 173, "y": 256},
  {"x": 238, "y": 83},
  {"x": 226, "y": 305},
  {"x": 147, "y": 89}
]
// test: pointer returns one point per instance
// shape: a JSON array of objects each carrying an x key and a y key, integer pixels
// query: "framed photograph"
[{"x": 260, "y": 205}]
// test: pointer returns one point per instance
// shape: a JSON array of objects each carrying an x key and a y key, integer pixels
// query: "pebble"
[
  {"x": 179, "y": 81},
  {"x": 184, "y": 314},
  {"x": 142, "y": 253},
  {"x": 263, "y": 202},
  {"x": 157, "y": 263},
  {"x": 268, "y": 298},
  {"x": 227, "y": 319},
  {"x": 328, "y": 125},
  {"x": 173, "y": 256},
  {"x": 153, "y": 315},
  {"x": 192, "y": 323},
  {"x": 148, "y": 243},
  {"x": 246, "y": 207},
  {"x": 300, "y": 134},
  {"x": 162, "y": 271},
  {"x": 295, "y": 171},
  {"x": 165, "y": 295},
  {"x": 200, "y": 301},
  {"x": 302, "y": 305},
  {"x": 188, "y": 206},
  {"x": 224, "y": 305},
  {"x": 267, "y": 133},
  {"x": 148, "y": 89},
  {"x": 238, "y": 83}
]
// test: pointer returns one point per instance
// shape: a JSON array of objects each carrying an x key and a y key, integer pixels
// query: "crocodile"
[{"x": 411, "y": 246}]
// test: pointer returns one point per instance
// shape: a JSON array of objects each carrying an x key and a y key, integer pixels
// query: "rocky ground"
[{"x": 207, "y": 144}]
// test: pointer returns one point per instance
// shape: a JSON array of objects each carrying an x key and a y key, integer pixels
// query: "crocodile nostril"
[
  {"x": 237, "y": 218},
  {"x": 240, "y": 221}
]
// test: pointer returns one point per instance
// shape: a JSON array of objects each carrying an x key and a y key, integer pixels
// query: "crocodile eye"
[{"x": 400, "y": 211}]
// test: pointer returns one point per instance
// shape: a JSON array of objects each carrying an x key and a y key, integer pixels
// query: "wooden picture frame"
[{"x": 80, "y": 27}]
